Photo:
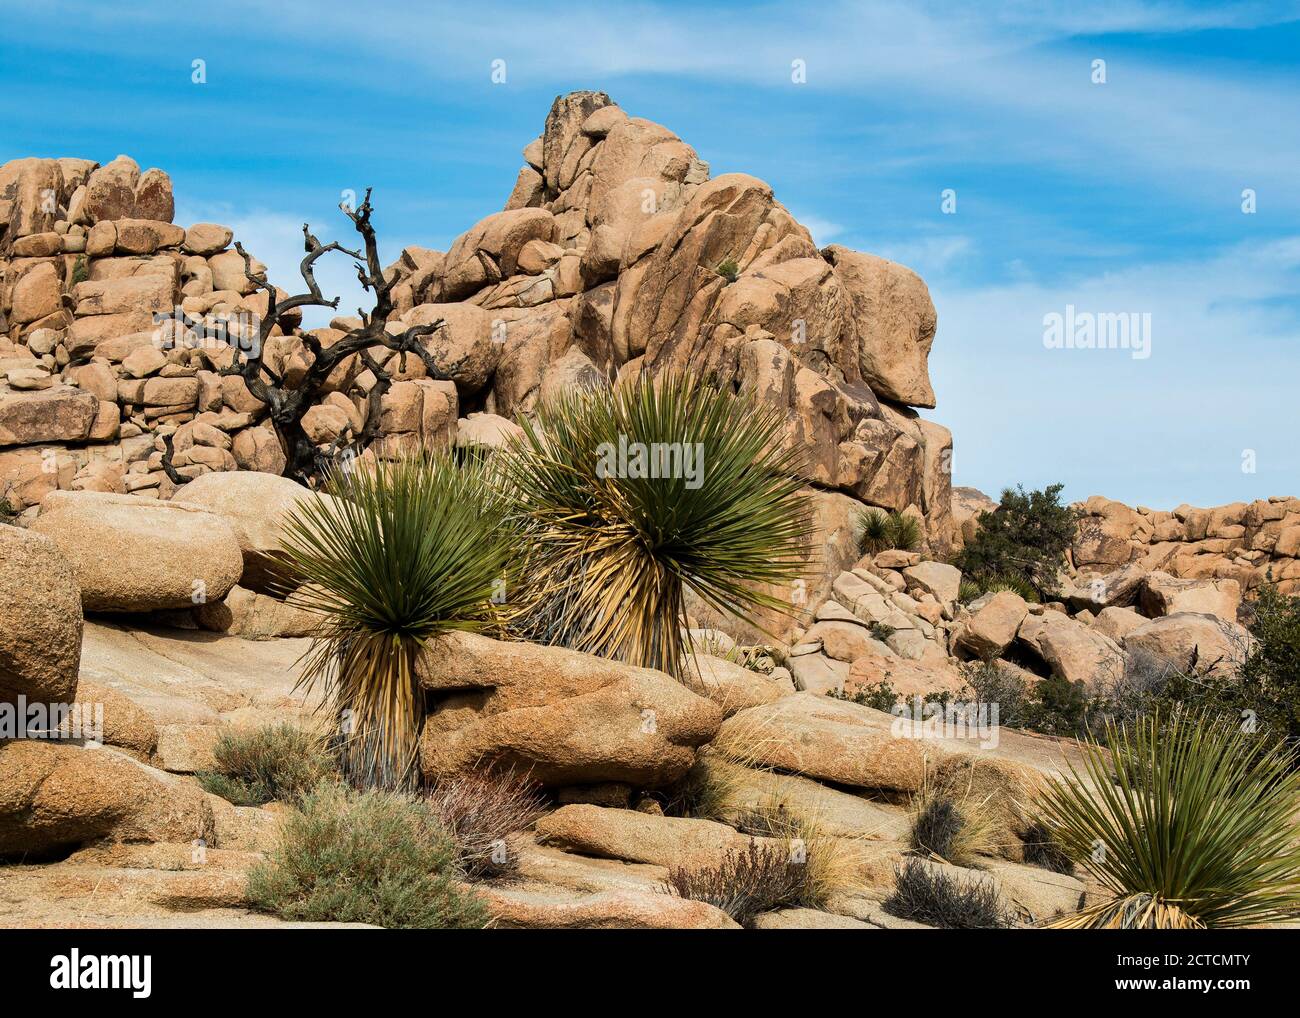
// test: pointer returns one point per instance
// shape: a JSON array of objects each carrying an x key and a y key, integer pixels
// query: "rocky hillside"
[
  {"x": 145, "y": 594},
  {"x": 605, "y": 262}
]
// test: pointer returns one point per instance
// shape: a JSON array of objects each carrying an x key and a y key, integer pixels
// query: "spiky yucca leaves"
[
  {"x": 879, "y": 531},
  {"x": 629, "y": 497},
  {"x": 1188, "y": 821},
  {"x": 394, "y": 555}
]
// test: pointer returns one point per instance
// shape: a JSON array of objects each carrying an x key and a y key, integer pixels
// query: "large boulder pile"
[
  {"x": 1248, "y": 543},
  {"x": 615, "y": 253}
]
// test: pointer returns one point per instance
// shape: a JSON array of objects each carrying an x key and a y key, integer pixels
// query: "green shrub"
[
  {"x": 268, "y": 764},
  {"x": 927, "y": 894},
  {"x": 7, "y": 509},
  {"x": 1024, "y": 539},
  {"x": 365, "y": 857},
  {"x": 877, "y": 695},
  {"x": 1053, "y": 706},
  {"x": 1187, "y": 821},
  {"x": 881, "y": 631},
  {"x": 614, "y": 535},
  {"x": 879, "y": 531},
  {"x": 80, "y": 271},
  {"x": 1270, "y": 677},
  {"x": 401, "y": 553},
  {"x": 729, "y": 269}
]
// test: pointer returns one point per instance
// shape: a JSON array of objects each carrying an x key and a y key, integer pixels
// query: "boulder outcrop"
[{"x": 564, "y": 717}]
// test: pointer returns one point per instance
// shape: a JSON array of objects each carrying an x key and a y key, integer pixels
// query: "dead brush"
[
  {"x": 831, "y": 864},
  {"x": 927, "y": 894},
  {"x": 479, "y": 809},
  {"x": 747, "y": 882}
]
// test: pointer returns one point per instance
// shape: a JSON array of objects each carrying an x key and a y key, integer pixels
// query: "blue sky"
[{"x": 1117, "y": 197}]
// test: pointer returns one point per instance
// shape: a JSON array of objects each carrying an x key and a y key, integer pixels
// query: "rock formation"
[{"x": 615, "y": 253}]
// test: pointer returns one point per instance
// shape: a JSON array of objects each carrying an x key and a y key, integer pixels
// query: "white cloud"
[
  {"x": 928, "y": 256},
  {"x": 823, "y": 230},
  {"x": 1225, "y": 350}
]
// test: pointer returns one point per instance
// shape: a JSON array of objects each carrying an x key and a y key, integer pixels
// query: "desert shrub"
[
  {"x": 80, "y": 271},
  {"x": 990, "y": 682},
  {"x": 1043, "y": 850},
  {"x": 729, "y": 269},
  {"x": 746, "y": 883},
  {"x": 879, "y": 531},
  {"x": 402, "y": 553},
  {"x": 268, "y": 764},
  {"x": 8, "y": 511},
  {"x": 706, "y": 792},
  {"x": 1060, "y": 707},
  {"x": 1024, "y": 539},
  {"x": 1194, "y": 820},
  {"x": 611, "y": 545},
  {"x": 927, "y": 894},
  {"x": 881, "y": 631},
  {"x": 877, "y": 695},
  {"x": 366, "y": 857},
  {"x": 478, "y": 810},
  {"x": 1053, "y": 706},
  {"x": 829, "y": 864},
  {"x": 956, "y": 832},
  {"x": 1270, "y": 676}
]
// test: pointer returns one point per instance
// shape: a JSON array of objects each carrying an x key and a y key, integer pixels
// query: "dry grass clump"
[
  {"x": 1044, "y": 850},
  {"x": 1001, "y": 792},
  {"x": 832, "y": 866},
  {"x": 478, "y": 810},
  {"x": 958, "y": 831},
  {"x": 927, "y": 894}
]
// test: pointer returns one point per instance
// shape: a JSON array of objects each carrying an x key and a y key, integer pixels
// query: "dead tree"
[{"x": 286, "y": 404}]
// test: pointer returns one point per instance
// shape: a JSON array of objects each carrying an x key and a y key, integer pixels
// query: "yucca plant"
[
  {"x": 392, "y": 555},
  {"x": 1187, "y": 821},
  {"x": 629, "y": 497},
  {"x": 880, "y": 531}
]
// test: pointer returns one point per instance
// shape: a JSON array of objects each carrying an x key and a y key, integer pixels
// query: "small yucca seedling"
[
  {"x": 395, "y": 555},
  {"x": 619, "y": 523},
  {"x": 1188, "y": 822},
  {"x": 885, "y": 531},
  {"x": 1015, "y": 584},
  {"x": 729, "y": 269}
]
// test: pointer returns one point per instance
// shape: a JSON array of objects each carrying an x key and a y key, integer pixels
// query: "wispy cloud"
[{"x": 1225, "y": 349}]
